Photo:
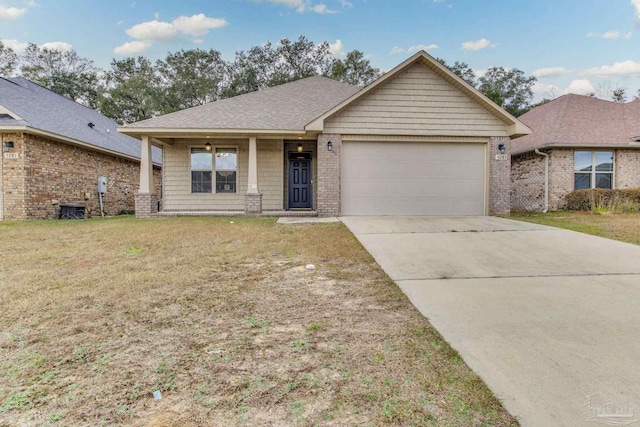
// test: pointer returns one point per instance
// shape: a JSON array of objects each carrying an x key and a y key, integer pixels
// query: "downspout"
[{"x": 546, "y": 179}]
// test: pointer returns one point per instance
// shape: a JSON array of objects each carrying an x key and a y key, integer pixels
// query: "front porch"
[{"x": 235, "y": 176}]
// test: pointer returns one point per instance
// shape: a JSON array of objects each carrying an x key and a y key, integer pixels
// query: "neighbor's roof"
[
  {"x": 577, "y": 120},
  {"x": 28, "y": 107},
  {"x": 288, "y": 107}
]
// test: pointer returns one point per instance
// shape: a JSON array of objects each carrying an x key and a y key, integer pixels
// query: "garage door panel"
[{"x": 413, "y": 178}]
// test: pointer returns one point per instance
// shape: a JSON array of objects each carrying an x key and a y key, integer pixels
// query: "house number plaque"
[
  {"x": 11, "y": 155},
  {"x": 501, "y": 156}
]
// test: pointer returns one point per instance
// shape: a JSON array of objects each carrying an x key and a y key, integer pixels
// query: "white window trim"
[
  {"x": 593, "y": 170},
  {"x": 190, "y": 148},
  {"x": 213, "y": 169}
]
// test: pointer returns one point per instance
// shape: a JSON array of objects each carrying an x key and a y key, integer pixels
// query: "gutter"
[{"x": 546, "y": 179}]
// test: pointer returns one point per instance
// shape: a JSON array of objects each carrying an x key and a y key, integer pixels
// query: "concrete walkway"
[{"x": 547, "y": 317}]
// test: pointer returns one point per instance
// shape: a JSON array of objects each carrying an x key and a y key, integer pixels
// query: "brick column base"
[
  {"x": 328, "y": 187},
  {"x": 500, "y": 176},
  {"x": 146, "y": 205},
  {"x": 252, "y": 204}
]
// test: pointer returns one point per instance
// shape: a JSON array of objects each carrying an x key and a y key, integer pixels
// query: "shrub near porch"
[{"x": 222, "y": 317}]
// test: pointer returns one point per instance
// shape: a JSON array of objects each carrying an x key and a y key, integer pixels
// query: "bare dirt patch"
[{"x": 225, "y": 321}]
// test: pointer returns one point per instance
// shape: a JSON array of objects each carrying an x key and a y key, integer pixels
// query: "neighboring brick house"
[
  {"x": 588, "y": 143},
  {"x": 418, "y": 141},
  {"x": 54, "y": 150}
]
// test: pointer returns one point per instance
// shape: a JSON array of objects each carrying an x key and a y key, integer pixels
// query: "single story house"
[
  {"x": 54, "y": 150},
  {"x": 581, "y": 142},
  {"x": 418, "y": 141}
]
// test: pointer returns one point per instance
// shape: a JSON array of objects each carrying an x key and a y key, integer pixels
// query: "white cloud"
[
  {"x": 628, "y": 35},
  {"x": 478, "y": 44},
  {"x": 323, "y": 9},
  {"x": 337, "y": 49},
  {"x": 197, "y": 41},
  {"x": 119, "y": 23},
  {"x": 153, "y": 31},
  {"x": 542, "y": 73},
  {"x": 636, "y": 4},
  {"x": 425, "y": 47},
  {"x": 10, "y": 14},
  {"x": 346, "y": 4},
  {"x": 198, "y": 25},
  {"x": 61, "y": 46},
  {"x": 609, "y": 35},
  {"x": 626, "y": 68},
  {"x": 17, "y": 46},
  {"x": 156, "y": 15},
  {"x": 132, "y": 48},
  {"x": 302, "y": 6},
  {"x": 580, "y": 87}
]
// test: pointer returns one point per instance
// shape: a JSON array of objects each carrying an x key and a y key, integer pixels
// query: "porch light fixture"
[
  {"x": 501, "y": 148},
  {"x": 329, "y": 145},
  {"x": 7, "y": 145},
  {"x": 299, "y": 148},
  {"x": 207, "y": 146}
]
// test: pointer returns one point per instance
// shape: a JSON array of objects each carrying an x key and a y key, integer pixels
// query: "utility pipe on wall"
[{"x": 546, "y": 179}]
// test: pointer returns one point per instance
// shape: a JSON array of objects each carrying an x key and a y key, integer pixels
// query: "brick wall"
[
  {"x": 560, "y": 177},
  {"x": 13, "y": 179},
  {"x": 328, "y": 189},
  {"x": 499, "y": 177},
  {"x": 50, "y": 171},
  {"x": 527, "y": 182},
  {"x": 627, "y": 168}
]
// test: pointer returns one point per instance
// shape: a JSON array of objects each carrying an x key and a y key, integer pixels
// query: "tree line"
[{"x": 136, "y": 88}]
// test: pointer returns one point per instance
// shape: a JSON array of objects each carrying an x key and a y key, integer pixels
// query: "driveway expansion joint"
[{"x": 517, "y": 277}]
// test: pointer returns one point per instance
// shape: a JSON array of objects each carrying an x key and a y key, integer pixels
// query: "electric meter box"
[{"x": 102, "y": 184}]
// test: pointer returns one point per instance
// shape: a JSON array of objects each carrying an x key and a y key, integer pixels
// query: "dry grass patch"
[
  {"x": 221, "y": 316},
  {"x": 618, "y": 226}
]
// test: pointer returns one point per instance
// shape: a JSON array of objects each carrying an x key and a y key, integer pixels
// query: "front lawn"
[
  {"x": 618, "y": 226},
  {"x": 221, "y": 316}
]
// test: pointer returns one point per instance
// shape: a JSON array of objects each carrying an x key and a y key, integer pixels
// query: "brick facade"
[
  {"x": 527, "y": 183},
  {"x": 527, "y": 173},
  {"x": 252, "y": 204},
  {"x": 49, "y": 173},
  {"x": 328, "y": 190},
  {"x": 499, "y": 177},
  {"x": 627, "y": 169}
]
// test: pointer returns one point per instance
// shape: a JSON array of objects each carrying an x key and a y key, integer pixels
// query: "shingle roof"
[
  {"x": 286, "y": 107},
  {"x": 47, "y": 111},
  {"x": 579, "y": 120}
]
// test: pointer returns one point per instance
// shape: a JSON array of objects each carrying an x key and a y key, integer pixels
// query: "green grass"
[{"x": 618, "y": 226}]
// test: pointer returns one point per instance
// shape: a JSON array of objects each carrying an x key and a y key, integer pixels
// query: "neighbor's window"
[
  {"x": 201, "y": 172},
  {"x": 593, "y": 169},
  {"x": 226, "y": 168}
]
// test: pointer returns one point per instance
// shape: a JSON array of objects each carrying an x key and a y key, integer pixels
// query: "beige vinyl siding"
[
  {"x": 416, "y": 102},
  {"x": 177, "y": 176},
  {"x": 270, "y": 173}
]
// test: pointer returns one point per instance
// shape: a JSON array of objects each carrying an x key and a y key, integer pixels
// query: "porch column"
[
  {"x": 146, "y": 167},
  {"x": 145, "y": 199},
  {"x": 253, "y": 198}
]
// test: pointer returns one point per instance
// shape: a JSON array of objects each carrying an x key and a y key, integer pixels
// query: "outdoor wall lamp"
[
  {"x": 207, "y": 146},
  {"x": 329, "y": 145},
  {"x": 299, "y": 148},
  {"x": 7, "y": 145},
  {"x": 501, "y": 148}
]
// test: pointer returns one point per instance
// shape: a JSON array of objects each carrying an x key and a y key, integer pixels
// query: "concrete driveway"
[{"x": 547, "y": 317}]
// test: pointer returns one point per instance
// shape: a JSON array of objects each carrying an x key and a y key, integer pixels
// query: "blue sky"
[{"x": 570, "y": 45}]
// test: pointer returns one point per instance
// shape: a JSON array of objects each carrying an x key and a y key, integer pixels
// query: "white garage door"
[{"x": 397, "y": 178}]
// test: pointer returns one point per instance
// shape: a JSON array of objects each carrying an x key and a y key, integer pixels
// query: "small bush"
[{"x": 602, "y": 200}]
